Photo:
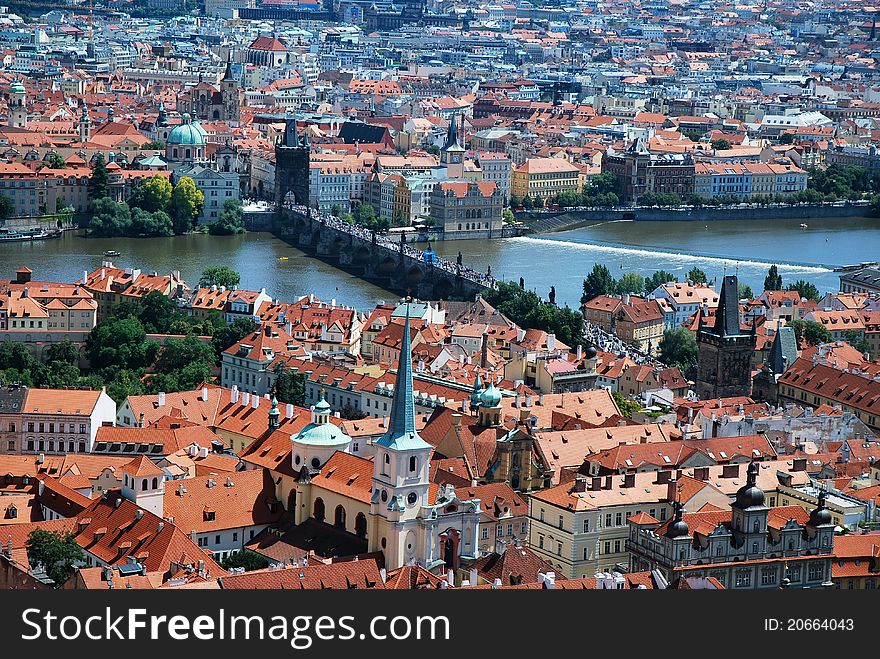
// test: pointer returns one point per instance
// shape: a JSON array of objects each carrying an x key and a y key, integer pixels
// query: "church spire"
[
  {"x": 227, "y": 74},
  {"x": 401, "y": 433}
]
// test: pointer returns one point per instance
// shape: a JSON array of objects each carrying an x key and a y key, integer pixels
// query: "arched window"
[
  {"x": 155, "y": 483},
  {"x": 339, "y": 517},
  {"x": 174, "y": 152},
  {"x": 187, "y": 154},
  {"x": 459, "y": 226},
  {"x": 360, "y": 525},
  {"x": 318, "y": 510}
]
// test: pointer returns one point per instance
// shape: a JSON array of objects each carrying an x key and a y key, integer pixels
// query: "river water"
[{"x": 560, "y": 259}]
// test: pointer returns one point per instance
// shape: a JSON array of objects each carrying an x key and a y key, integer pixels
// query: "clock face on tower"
[{"x": 456, "y": 158}]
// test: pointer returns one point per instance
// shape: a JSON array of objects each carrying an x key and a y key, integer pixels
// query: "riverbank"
[{"x": 567, "y": 219}]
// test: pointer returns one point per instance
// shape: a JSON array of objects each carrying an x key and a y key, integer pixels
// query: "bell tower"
[
  {"x": 18, "y": 116},
  {"x": 230, "y": 94},
  {"x": 452, "y": 153},
  {"x": 292, "y": 167},
  {"x": 400, "y": 474}
]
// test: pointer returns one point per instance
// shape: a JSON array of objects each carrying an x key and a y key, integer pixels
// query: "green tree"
[
  {"x": 697, "y": 276},
  {"x": 64, "y": 351},
  {"x": 55, "y": 161},
  {"x": 678, "y": 347},
  {"x": 810, "y": 331},
  {"x": 14, "y": 355},
  {"x": 120, "y": 343},
  {"x": 538, "y": 201},
  {"x": 527, "y": 310},
  {"x": 515, "y": 202},
  {"x": 144, "y": 223},
  {"x": 631, "y": 282},
  {"x": 786, "y": 138},
  {"x": 659, "y": 278},
  {"x": 177, "y": 354},
  {"x": 507, "y": 216},
  {"x": 229, "y": 335},
  {"x": 290, "y": 387},
  {"x": 745, "y": 292},
  {"x": 157, "y": 312},
  {"x": 186, "y": 204},
  {"x": 219, "y": 275},
  {"x": 99, "y": 179},
  {"x": 805, "y": 289},
  {"x": 773, "y": 280},
  {"x": 109, "y": 218},
  {"x": 246, "y": 558},
  {"x": 721, "y": 144},
  {"x": 231, "y": 220},
  {"x": 154, "y": 145},
  {"x": 57, "y": 552},
  {"x": 153, "y": 194},
  {"x": 528, "y": 203},
  {"x": 598, "y": 282},
  {"x": 123, "y": 384},
  {"x": 626, "y": 406},
  {"x": 7, "y": 207}
]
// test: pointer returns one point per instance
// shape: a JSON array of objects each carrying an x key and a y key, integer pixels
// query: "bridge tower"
[{"x": 292, "y": 167}]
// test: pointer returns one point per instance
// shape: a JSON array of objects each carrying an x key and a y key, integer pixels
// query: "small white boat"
[{"x": 803, "y": 226}]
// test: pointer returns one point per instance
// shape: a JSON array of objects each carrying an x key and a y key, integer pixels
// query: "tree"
[
  {"x": 659, "y": 278},
  {"x": 177, "y": 354},
  {"x": 507, "y": 216},
  {"x": 528, "y": 203},
  {"x": 144, "y": 223},
  {"x": 697, "y": 276},
  {"x": 631, "y": 282},
  {"x": 538, "y": 201},
  {"x": 721, "y": 144},
  {"x": 231, "y": 220},
  {"x": 154, "y": 145},
  {"x": 120, "y": 343},
  {"x": 219, "y": 275},
  {"x": 152, "y": 195},
  {"x": 527, "y": 310},
  {"x": 123, "y": 384},
  {"x": 15, "y": 356},
  {"x": 157, "y": 312},
  {"x": 810, "y": 331},
  {"x": 99, "y": 179},
  {"x": 55, "y": 161},
  {"x": 786, "y": 138},
  {"x": 805, "y": 289},
  {"x": 63, "y": 351},
  {"x": 109, "y": 218},
  {"x": 229, "y": 335},
  {"x": 627, "y": 407},
  {"x": 246, "y": 558},
  {"x": 598, "y": 282},
  {"x": 57, "y": 552},
  {"x": 290, "y": 387},
  {"x": 745, "y": 292},
  {"x": 678, "y": 347},
  {"x": 773, "y": 280},
  {"x": 186, "y": 205},
  {"x": 7, "y": 207},
  {"x": 515, "y": 202}
]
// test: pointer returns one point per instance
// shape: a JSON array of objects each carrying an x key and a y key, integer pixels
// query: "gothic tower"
[
  {"x": 292, "y": 167},
  {"x": 452, "y": 153},
  {"x": 230, "y": 94},
  {"x": 400, "y": 473},
  {"x": 724, "y": 358}
]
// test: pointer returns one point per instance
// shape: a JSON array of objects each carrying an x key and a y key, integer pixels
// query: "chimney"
[
  {"x": 580, "y": 483},
  {"x": 629, "y": 480},
  {"x": 456, "y": 419},
  {"x": 235, "y": 393},
  {"x": 161, "y": 399},
  {"x": 701, "y": 473},
  {"x": 473, "y": 576},
  {"x": 799, "y": 464},
  {"x": 288, "y": 411},
  {"x": 608, "y": 482},
  {"x": 730, "y": 471},
  {"x": 205, "y": 394},
  {"x": 671, "y": 490},
  {"x": 597, "y": 483},
  {"x": 551, "y": 341},
  {"x": 580, "y": 352},
  {"x": 663, "y": 476},
  {"x": 484, "y": 350},
  {"x": 255, "y": 401},
  {"x": 245, "y": 398}
]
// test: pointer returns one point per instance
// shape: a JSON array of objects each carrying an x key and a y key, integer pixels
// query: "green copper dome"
[
  {"x": 187, "y": 133},
  {"x": 491, "y": 397},
  {"x": 16, "y": 87},
  {"x": 321, "y": 434}
]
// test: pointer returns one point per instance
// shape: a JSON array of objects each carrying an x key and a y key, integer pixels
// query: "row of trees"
[
  {"x": 527, "y": 310},
  {"x": 806, "y": 289},
  {"x": 156, "y": 208},
  {"x": 601, "y": 282},
  {"x": 601, "y": 191}
]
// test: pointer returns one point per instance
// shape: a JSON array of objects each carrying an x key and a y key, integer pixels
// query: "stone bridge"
[{"x": 375, "y": 260}]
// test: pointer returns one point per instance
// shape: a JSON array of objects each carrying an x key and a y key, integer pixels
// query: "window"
[
  {"x": 768, "y": 575},
  {"x": 559, "y": 549},
  {"x": 561, "y": 524},
  {"x": 586, "y": 526},
  {"x": 216, "y": 539},
  {"x": 586, "y": 554},
  {"x": 413, "y": 464},
  {"x": 498, "y": 531},
  {"x": 523, "y": 531},
  {"x": 743, "y": 578},
  {"x": 235, "y": 536},
  {"x": 617, "y": 546},
  {"x": 618, "y": 519},
  {"x": 540, "y": 542},
  {"x": 203, "y": 542},
  {"x": 510, "y": 529},
  {"x": 542, "y": 515},
  {"x": 608, "y": 521},
  {"x": 607, "y": 548},
  {"x": 815, "y": 572},
  {"x": 485, "y": 532}
]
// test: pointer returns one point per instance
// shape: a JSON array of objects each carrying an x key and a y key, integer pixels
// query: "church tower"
[
  {"x": 230, "y": 94},
  {"x": 452, "y": 153},
  {"x": 400, "y": 474},
  {"x": 292, "y": 167},
  {"x": 85, "y": 124},
  {"x": 144, "y": 483},
  {"x": 724, "y": 357},
  {"x": 18, "y": 115}
]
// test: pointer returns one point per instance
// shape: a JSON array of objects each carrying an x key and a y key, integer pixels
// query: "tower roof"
[
  {"x": 227, "y": 74},
  {"x": 401, "y": 433},
  {"x": 727, "y": 314},
  {"x": 452, "y": 136}
]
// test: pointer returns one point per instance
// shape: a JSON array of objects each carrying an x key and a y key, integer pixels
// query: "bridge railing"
[{"x": 387, "y": 242}]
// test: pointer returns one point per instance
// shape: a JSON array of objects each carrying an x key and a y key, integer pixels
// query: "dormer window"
[{"x": 210, "y": 515}]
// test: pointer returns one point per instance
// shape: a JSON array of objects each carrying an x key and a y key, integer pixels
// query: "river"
[{"x": 560, "y": 259}]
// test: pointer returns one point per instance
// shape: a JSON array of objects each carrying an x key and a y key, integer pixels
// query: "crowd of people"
[
  {"x": 397, "y": 243},
  {"x": 613, "y": 344}
]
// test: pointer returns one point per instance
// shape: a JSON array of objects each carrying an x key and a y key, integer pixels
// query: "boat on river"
[{"x": 11, "y": 235}]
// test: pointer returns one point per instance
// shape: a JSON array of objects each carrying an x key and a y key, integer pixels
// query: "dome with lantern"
[{"x": 314, "y": 444}]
